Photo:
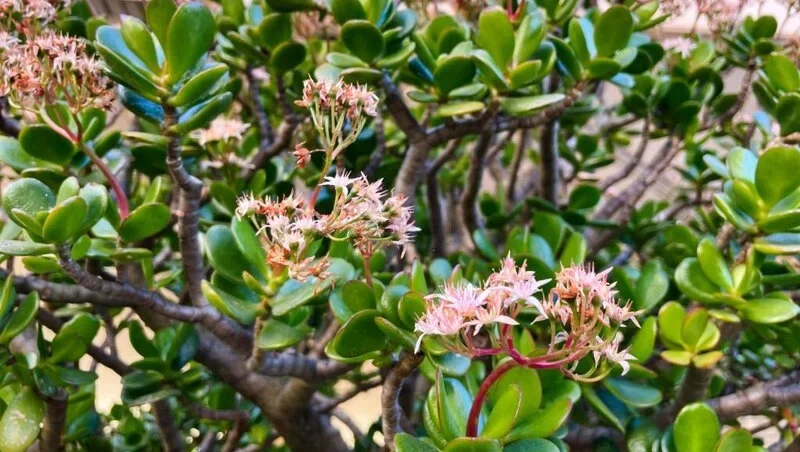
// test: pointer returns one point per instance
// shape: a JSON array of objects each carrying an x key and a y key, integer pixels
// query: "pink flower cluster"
[
  {"x": 334, "y": 106},
  {"x": 222, "y": 130},
  {"x": 463, "y": 306},
  {"x": 583, "y": 313},
  {"x": 26, "y": 12},
  {"x": 361, "y": 213},
  {"x": 51, "y": 67}
]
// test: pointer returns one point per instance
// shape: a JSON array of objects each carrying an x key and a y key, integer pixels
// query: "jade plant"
[{"x": 453, "y": 209}]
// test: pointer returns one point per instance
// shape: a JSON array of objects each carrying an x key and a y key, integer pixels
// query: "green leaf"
[
  {"x": 545, "y": 422},
  {"x": 776, "y": 173},
  {"x": 42, "y": 142},
  {"x": 66, "y": 220},
  {"x": 782, "y": 72},
  {"x": 11, "y": 154},
  {"x": 644, "y": 340},
  {"x": 742, "y": 163},
  {"x": 651, "y": 287},
  {"x": 787, "y": 112},
  {"x": 22, "y": 248},
  {"x": 347, "y": 10},
  {"x": 358, "y": 296},
  {"x": 202, "y": 84},
  {"x": 453, "y": 72},
  {"x": 694, "y": 325},
  {"x": 613, "y": 30},
  {"x": 670, "y": 322},
  {"x": 242, "y": 311},
  {"x": 525, "y": 74},
  {"x": 249, "y": 245},
  {"x": 140, "y": 342},
  {"x": 454, "y": 402},
  {"x": 770, "y": 310},
  {"x": 696, "y": 429},
  {"x": 529, "y": 35},
  {"x": 496, "y": 35},
  {"x": 785, "y": 243},
  {"x": 159, "y": 14},
  {"x": 691, "y": 280},
  {"x": 201, "y": 115},
  {"x": 138, "y": 38},
  {"x": 407, "y": 443},
  {"x": 569, "y": 64},
  {"x": 225, "y": 255},
  {"x": 75, "y": 336},
  {"x": 396, "y": 334},
  {"x": 146, "y": 220},
  {"x": 637, "y": 395},
  {"x": 528, "y": 382},
  {"x": 275, "y": 335},
  {"x": 275, "y": 29},
  {"x": 782, "y": 221},
  {"x": 363, "y": 39},
  {"x": 600, "y": 407},
  {"x": 603, "y": 68},
  {"x": 531, "y": 445},
  {"x": 19, "y": 426},
  {"x": 734, "y": 440},
  {"x": 491, "y": 73},
  {"x": 459, "y": 108},
  {"x": 528, "y": 104},
  {"x": 677, "y": 357},
  {"x": 473, "y": 445},
  {"x": 358, "y": 339},
  {"x": 287, "y": 56},
  {"x": 504, "y": 414},
  {"x": 581, "y": 39},
  {"x": 97, "y": 202},
  {"x": 21, "y": 318},
  {"x": 124, "y": 66},
  {"x": 189, "y": 37},
  {"x": 713, "y": 264}
]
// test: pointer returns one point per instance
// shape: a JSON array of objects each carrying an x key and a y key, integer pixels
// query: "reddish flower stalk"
[{"x": 116, "y": 187}]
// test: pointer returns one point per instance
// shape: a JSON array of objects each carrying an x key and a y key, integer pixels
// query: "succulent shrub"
[{"x": 453, "y": 202}]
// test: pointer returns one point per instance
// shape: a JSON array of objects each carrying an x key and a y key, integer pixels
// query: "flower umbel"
[
  {"x": 361, "y": 214},
  {"x": 583, "y": 313}
]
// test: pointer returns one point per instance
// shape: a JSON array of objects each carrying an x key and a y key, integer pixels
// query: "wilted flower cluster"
[
  {"x": 50, "y": 67},
  {"x": 583, "y": 313},
  {"x": 721, "y": 14},
  {"x": 361, "y": 213},
  {"x": 339, "y": 112}
]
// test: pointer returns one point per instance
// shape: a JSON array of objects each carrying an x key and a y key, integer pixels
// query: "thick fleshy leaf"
[
  {"x": 459, "y": 108},
  {"x": 201, "y": 115},
  {"x": 358, "y": 339},
  {"x": 407, "y": 443},
  {"x": 734, "y": 440},
  {"x": 528, "y": 104},
  {"x": 529, "y": 35},
  {"x": 473, "y": 445},
  {"x": 696, "y": 429},
  {"x": 776, "y": 173},
  {"x": 287, "y": 56},
  {"x": 189, "y": 37},
  {"x": 643, "y": 342},
  {"x": 713, "y": 264},
  {"x": 531, "y": 445},
  {"x": 787, "y": 112},
  {"x": 545, "y": 422},
  {"x": 691, "y": 280},
  {"x": 600, "y": 407},
  {"x": 453, "y": 72},
  {"x": 613, "y": 30},
  {"x": 138, "y": 38},
  {"x": 363, "y": 39},
  {"x": 249, "y": 245},
  {"x": 635, "y": 394},
  {"x": 742, "y": 163},
  {"x": 275, "y": 335},
  {"x": 275, "y": 29},
  {"x": 229, "y": 304},
  {"x": 785, "y": 243},
  {"x": 42, "y": 142},
  {"x": 22, "y": 248},
  {"x": 651, "y": 287},
  {"x": 504, "y": 413},
  {"x": 66, "y": 220},
  {"x": 145, "y": 221},
  {"x": 75, "y": 336},
  {"x": 770, "y": 310},
  {"x": 496, "y": 35},
  {"x": 19, "y": 426},
  {"x": 125, "y": 67},
  {"x": 693, "y": 327},
  {"x": 159, "y": 14},
  {"x": 782, "y": 72},
  {"x": 528, "y": 382},
  {"x": 670, "y": 322},
  {"x": 201, "y": 85}
]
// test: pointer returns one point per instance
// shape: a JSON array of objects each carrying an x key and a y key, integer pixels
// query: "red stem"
[
  {"x": 480, "y": 397},
  {"x": 119, "y": 192}
]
